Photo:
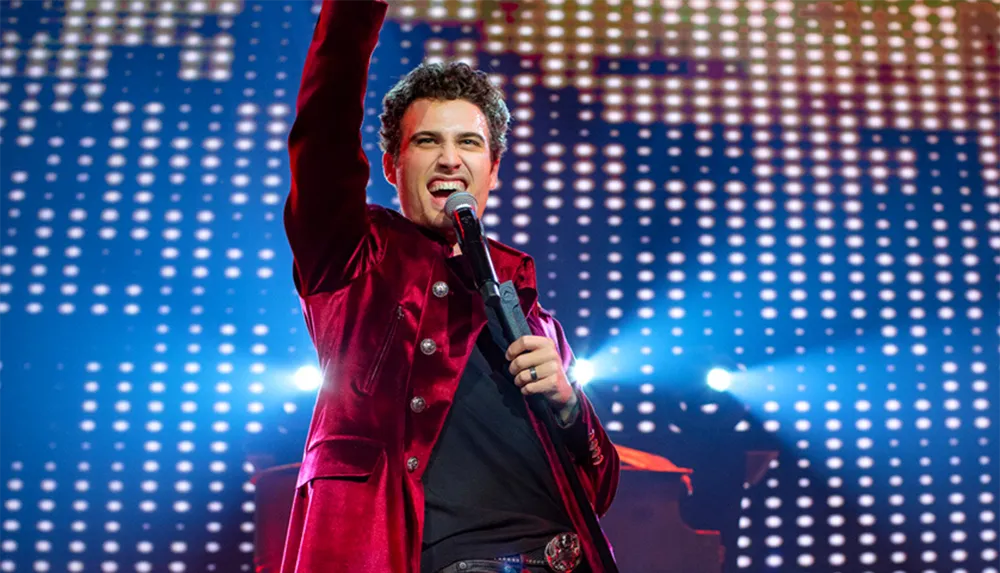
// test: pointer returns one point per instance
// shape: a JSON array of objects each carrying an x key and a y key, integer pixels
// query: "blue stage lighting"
[
  {"x": 583, "y": 372},
  {"x": 719, "y": 379},
  {"x": 308, "y": 378}
]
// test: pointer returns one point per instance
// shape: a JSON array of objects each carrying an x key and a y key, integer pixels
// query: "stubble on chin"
[{"x": 438, "y": 223}]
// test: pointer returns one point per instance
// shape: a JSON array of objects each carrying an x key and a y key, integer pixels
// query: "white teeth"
[{"x": 447, "y": 186}]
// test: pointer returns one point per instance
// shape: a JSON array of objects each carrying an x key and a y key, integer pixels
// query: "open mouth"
[{"x": 442, "y": 189}]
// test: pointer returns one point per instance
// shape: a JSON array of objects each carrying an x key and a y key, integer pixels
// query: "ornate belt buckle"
[{"x": 563, "y": 552}]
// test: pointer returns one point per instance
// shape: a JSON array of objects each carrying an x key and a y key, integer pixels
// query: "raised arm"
[{"x": 325, "y": 214}]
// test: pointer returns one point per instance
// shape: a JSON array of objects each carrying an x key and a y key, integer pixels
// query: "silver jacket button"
[
  {"x": 412, "y": 464},
  {"x": 417, "y": 404},
  {"x": 427, "y": 346},
  {"x": 440, "y": 289}
]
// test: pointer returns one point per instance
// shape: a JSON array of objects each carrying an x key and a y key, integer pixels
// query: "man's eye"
[
  {"x": 470, "y": 141},
  {"x": 424, "y": 140}
]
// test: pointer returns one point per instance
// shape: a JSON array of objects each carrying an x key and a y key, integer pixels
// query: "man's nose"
[{"x": 449, "y": 158}]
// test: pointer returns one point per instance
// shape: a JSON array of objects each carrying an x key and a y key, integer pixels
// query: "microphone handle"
[{"x": 508, "y": 309}]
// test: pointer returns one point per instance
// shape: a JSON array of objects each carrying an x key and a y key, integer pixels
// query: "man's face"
[{"x": 444, "y": 148}]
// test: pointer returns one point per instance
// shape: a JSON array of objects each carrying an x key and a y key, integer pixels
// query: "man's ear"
[
  {"x": 389, "y": 168},
  {"x": 495, "y": 174}
]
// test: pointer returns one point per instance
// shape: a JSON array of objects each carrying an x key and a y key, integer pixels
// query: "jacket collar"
[{"x": 512, "y": 264}]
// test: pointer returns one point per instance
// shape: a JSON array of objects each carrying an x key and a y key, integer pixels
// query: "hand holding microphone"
[{"x": 535, "y": 362}]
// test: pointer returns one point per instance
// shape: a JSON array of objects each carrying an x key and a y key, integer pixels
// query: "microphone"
[{"x": 461, "y": 208}]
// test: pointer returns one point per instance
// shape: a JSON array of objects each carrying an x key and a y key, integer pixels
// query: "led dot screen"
[{"x": 809, "y": 189}]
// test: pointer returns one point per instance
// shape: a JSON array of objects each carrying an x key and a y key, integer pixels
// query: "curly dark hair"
[{"x": 444, "y": 82}]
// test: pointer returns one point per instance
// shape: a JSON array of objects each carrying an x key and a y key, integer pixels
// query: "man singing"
[{"x": 422, "y": 454}]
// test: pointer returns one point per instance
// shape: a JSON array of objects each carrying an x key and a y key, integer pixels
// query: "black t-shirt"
[{"x": 489, "y": 491}]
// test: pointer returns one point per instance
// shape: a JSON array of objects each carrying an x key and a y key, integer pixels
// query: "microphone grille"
[{"x": 459, "y": 200}]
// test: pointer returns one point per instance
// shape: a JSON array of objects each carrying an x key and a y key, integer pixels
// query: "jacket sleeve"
[
  {"x": 326, "y": 213},
  {"x": 596, "y": 457}
]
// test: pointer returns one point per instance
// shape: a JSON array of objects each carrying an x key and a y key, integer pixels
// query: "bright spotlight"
[
  {"x": 719, "y": 379},
  {"x": 583, "y": 372},
  {"x": 308, "y": 378}
]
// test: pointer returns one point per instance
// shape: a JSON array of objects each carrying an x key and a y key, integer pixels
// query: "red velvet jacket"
[{"x": 392, "y": 337}]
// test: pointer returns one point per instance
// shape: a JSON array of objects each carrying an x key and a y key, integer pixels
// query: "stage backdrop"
[{"x": 809, "y": 189}]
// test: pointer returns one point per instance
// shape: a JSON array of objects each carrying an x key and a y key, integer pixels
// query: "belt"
[
  {"x": 562, "y": 555},
  {"x": 492, "y": 566}
]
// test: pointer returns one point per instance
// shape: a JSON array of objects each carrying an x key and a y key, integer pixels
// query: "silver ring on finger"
[{"x": 534, "y": 374}]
